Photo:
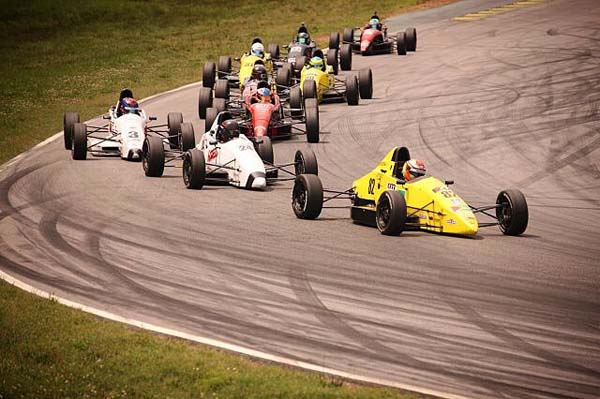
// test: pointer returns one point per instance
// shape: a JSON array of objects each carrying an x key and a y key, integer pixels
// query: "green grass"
[
  {"x": 73, "y": 55},
  {"x": 51, "y": 351}
]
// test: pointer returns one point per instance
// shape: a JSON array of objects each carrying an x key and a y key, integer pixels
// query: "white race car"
[
  {"x": 237, "y": 160},
  {"x": 123, "y": 135}
]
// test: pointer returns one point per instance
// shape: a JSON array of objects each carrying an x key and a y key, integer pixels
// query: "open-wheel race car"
[
  {"x": 261, "y": 112},
  {"x": 374, "y": 39},
  {"x": 226, "y": 156},
  {"x": 124, "y": 134},
  {"x": 318, "y": 80},
  {"x": 388, "y": 198}
]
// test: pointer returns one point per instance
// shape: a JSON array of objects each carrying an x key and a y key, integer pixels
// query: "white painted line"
[{"x": 223, "y": 345}]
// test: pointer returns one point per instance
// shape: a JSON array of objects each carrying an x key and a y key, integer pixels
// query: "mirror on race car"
[
  {"x": 448, "y": 182},
  {"x": 152, "y": 118}
]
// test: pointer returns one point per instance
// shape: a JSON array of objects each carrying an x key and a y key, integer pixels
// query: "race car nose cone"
[
  {"x": 256, "y": 180},
  {"x": 135, "y": 155},
  {"x": 259, "y": 183}
]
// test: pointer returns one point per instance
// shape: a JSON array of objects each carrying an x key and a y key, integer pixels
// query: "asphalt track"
[{"x": 508, "y": 101}]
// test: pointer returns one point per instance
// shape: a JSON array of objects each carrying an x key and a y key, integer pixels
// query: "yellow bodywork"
[
  {"x": 431, "y": 205},
  {"x": 248, "y": 61},
  {"x": 325, "y": 80}
]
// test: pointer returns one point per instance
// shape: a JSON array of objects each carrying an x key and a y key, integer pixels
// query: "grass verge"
[{"x": 73, "y": 55}]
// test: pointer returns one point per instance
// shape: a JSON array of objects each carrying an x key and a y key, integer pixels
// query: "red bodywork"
[
  {"x": 260, "y": 113},
  {"x": 369, "y": 36}
]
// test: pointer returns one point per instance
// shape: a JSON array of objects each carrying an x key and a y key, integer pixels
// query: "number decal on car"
[
  {"x": 133, "y": 135},
  {"x": 371, "y": 188}
]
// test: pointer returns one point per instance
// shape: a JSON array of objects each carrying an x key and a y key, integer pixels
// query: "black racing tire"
[
  {"x": 188, "y": 138},
  {"x": 224, "y": 66},
  {"x": 205, "y": 99},
  {"x": 401, "y": 43},
  {"x": 352, "y": 93},
  {"x": 209, "y": 73},
  {"x": 284, "y": 75},
  {"x": 211, "y": 116},
  {"x": 311, "y": 113},
  {"x": 69, "y": 119},
  {"x": 305, "y": 162},
  {"x": 334, "y": 40},
  {"x": 348, "y": 36},
  {"x": 220, "y": 104},
  {"x": 194, "y": 169},
  {"x": 513, "y": 214},
  {"x": 299, "y": 64},
  {"x": 365, "y": 83},
  {"x": 153, "y": 156},
  {"x": 296, "y": 102},
  {"x": 332, "y": 59},
  {"x": 222, "y": 89},
  {"x": 174, "y": 121},
  {"x": 390, "y": 213},
  {"x": 309, "y": 89},
  {"x": 346, "y": 57},
  {"x": 307, "y": 197},
  {"x": 264, "y": 148},
  {"x": 274, "y": 50},
  {"x": 411, "y": 39},
  {"x": 79, "y": 142}
]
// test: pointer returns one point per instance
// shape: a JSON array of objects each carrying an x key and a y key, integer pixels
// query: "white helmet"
[{"x": 257, "y": 49}]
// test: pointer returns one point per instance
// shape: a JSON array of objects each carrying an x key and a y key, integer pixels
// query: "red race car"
[{"x": 374, "y": 39}]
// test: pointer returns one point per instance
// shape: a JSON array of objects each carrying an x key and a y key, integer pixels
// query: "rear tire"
[
  {"x": 224, "y": 66},
  {"x": 513, "y": 216},
  {"x": 334, "y": 40},
  {"x": 153, "y": 157},
  {"x": 188, "y": 138},
  {"x": 309, "y": 89},
  {"x": 209, "y": 72},
  {"x": 365, "y": 83},
  {"x": 390, "y": 213},
  {"x": 205, "y": 99},
  {"x": 70, "y": 119},
  {"x": 222, "y": 89},
  {"x": 211, "y": 116},
  {"x": 411, "y": 39},
  {"x": 220, "y": 104},
  {"x": 307, "y": 197},
  {"x": 299, "y": 64},
  {"x": 305, "y": 162},
  {"x": 284, "y": 75},
  {"x": 264, "y": 148},
  {"x": 274, "y": 50},
  {"x": 194, "y": 169},
  {"x": 174, "y": 121},
  {"x": 401, "y": 43},
  {"x": 332, "y": 59},
  {"x": 346, "y": 57},
  {"x": 311, "y": 110},
  {"x": 348, "y": 35},
  {"x": 79, "y": 142},
  {"x": 296, "y": 102},
  {"x": 352, "y": 93}
]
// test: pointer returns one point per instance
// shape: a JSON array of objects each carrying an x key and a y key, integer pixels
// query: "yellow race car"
[
  {"x": 384, "y": 199},
  {"x": 318, "y": 80}
]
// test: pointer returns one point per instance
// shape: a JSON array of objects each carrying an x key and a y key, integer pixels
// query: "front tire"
[
  {"x": 188, "y": 138},
  {"x": 390, "y": 213},
  {"x": 205, "y": 99},
  {"x": 411, "y": 39},
  {"x": 69, "y": 120},
  {"x": 209, "y": 72},
  {"x": 274, "y": 50},
  {"x": 211, "y": 116},
  {"x": 153, "y": 157},
  {"x": 284, "y": 75},
  {"x": 174, "y": 121},
  {"x": 311, "y": 110},
  {"x": 352, "y": 93},
  {"x": 307, "y": 197},
  {"x": 348, "y": 35},
  {"x": 513, "y": 214},
  {"x": 194, "y": 169},
  {"x": 401, "y": 43},
  {"x": 346, "y": 57},
  {"x": 332, "y": 59},
  {"x": 334, "y": 40},
  {"x": 296, "y": 102},
  {"x": 309, "y": 89},
  {"x": 305, "y": 163},
  {"x": 365, "y": 83},
  {"x": 224, "y": 66},
  {"x": 264, "y": 148},
  {"x": 79, "y": 142},
  {"x": 222, "y": 89}
]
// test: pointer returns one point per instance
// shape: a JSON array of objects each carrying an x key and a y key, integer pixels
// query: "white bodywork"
[
  {"x": 244, "y": 167},
  {"x": 126, "y": 134}
]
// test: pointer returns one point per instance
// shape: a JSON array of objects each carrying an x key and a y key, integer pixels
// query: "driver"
[
  {"x": 227, "y": 130},
  {"x": 264, "y": 95},
  {"x": 413, "y": 168},
  {"x": 128, "y": 105},
  {"x": 317, "y": 62},
  {"x": 259, "y": 72},
  {"x": 375, "y": 23},
  {"x": 303, "y": 38},
  {"x": 258, "y": 50}
]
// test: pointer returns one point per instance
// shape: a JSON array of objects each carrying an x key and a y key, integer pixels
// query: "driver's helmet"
[
  {"x": 259, "y": 72},
  {"x": 257, "y": 49},
  {"x": 412, "y": 169},
  {"x": 129, "y": 105},
  {"x": 264, "y": 94},
  {"x": 228, "y": 130},
  {"x": 316, "y": 62},
  {"x": 374, "y": 23},
  {"x": 303, "y": 38}
]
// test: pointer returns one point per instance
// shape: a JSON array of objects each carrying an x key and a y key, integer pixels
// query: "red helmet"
[
  {"x": 129, "y": 104},
  {"x": 412, "y": 169}
]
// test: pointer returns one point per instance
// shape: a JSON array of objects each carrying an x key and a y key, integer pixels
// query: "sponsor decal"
[
  {"x": 213, "y": 154},
  {"x": 244, "y": 147},
  {"x": 391, "y": 186},
  {"x": 456, "y": 208},
  {"x": 423, "y": 216},
  {"x": 451, "y": 221},
  {"x": 436, "y": 189},
  {"x": 456, "y": 201}
]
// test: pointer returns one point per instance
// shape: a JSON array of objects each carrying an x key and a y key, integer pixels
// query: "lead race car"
[
  {"x": 399, "y": 195},
  {"x": 125, "y": 132},
  {"x": 226, "y": 156}
]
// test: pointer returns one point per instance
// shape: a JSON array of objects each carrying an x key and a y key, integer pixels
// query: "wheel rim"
[
  {"x": 504, "y": 213},
  {"x": 384, "y": 211},
  {"x": 186, "y": 171},
  {"x": 299, "y": 198},
  {"x": 300, "y": 166},
  {"x": 145, "y": 160}
]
